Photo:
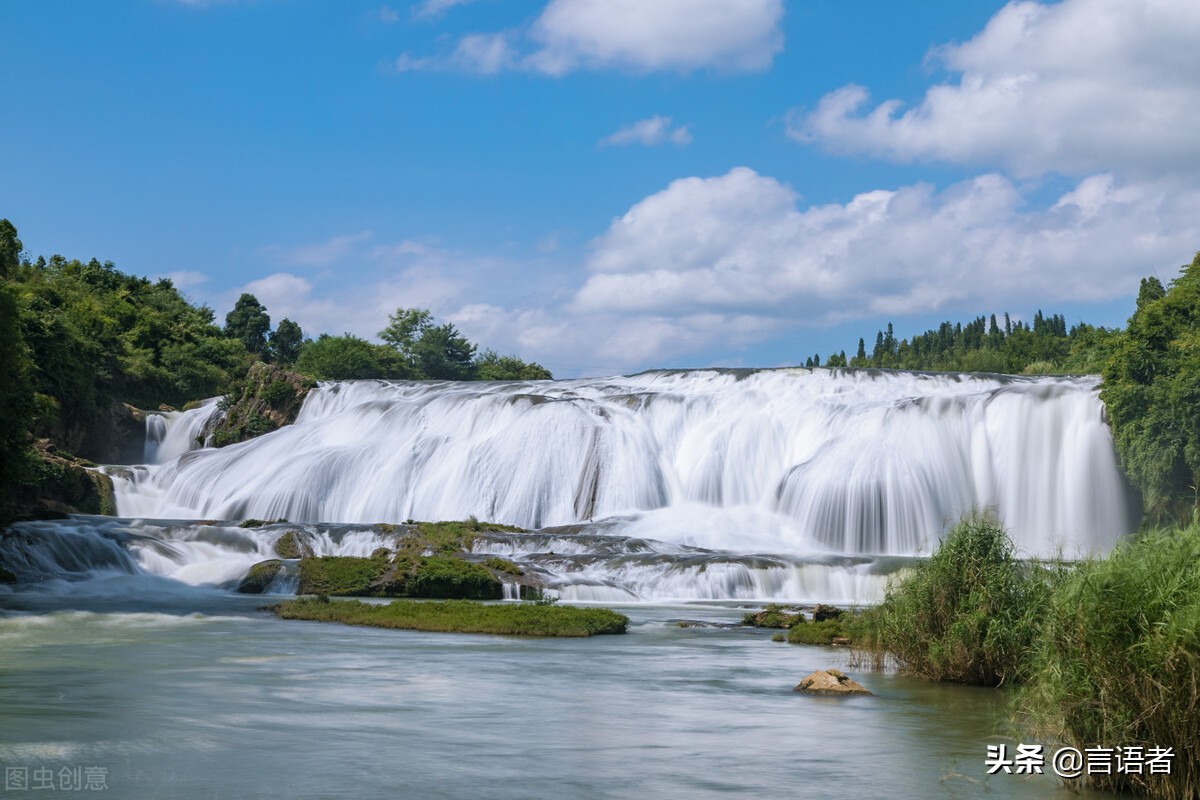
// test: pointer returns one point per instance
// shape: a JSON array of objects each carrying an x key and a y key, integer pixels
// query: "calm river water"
[{"x": 209, "y": 698}]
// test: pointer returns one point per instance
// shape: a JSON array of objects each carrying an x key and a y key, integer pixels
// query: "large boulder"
[
  {"x": 292, "y": 545},
  {"x": 830, "y": 682}
]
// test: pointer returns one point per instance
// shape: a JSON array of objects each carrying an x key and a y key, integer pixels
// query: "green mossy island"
[{"x": 460, "y": 616}]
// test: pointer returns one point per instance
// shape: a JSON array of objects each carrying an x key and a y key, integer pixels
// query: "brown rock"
[{"x": 830, "y": 682}]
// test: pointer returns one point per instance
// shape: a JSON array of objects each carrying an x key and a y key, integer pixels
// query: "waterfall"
[
  {"x": 170, "y": 434},
  {"x": 771, "y": 461}
]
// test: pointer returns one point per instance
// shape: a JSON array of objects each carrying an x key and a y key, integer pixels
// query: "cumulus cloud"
[
  {"x": 652, "y": 131},
  {"x": 1076, "y": 87},
  {"x": 740, "y": 244},
  {"x": 185, "y": 279},
  {"x": 667, "y": 35}
]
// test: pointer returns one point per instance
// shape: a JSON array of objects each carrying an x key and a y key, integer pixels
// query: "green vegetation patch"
[
  {"x": 346, "y": 576},
  {"x": 461, "y": 616},
  {"x": 438, "y": 577},
  {"x": 1118, "y": 660},
  {"x": 830, "y": 631},
  {"x": 969, "y": 614}
]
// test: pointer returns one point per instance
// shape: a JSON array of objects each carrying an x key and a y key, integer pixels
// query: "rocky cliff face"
[{"x": 268, "y": 398}]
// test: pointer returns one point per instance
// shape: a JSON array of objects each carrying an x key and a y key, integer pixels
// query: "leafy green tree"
[
  {"x": 405, "y": 327},
  {"x": 489, "y": 366},
  {"x": 285, "y": 342},
  {"x": 443, "y": 354},
  {"x": 16, "y": 395},
  {"x": 1152, "y": 394},
  {"x": 249, "y": 323},
  {"x": 348, "y": 357}
]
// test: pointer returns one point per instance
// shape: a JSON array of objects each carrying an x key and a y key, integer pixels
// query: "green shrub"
[
  {"x": 462, "y": 616},
  {"x": 1118, "y": 660},
  {"x": 968, "y": 614},
  {"x": 825, "y": 632}
]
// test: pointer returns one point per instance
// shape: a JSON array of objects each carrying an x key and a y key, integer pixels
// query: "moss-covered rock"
[
  {"x": 345, "y": 576},
  {"x": 261, "y": 576},
  {"x": 503, "y": 565},
  {"x": 292, "y": 545},
  {"x": 452, "y": 578},
  {"x": 774, "y": 616},
  {"x": 268, "y": 398},
  {"x": 439, "y": 577},
  {"x": 58, "y": 484}
]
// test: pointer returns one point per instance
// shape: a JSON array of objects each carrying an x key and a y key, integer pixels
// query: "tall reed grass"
[{"x": 1117, "y": 663}]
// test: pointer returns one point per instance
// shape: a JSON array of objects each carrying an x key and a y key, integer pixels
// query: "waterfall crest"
[{"x": 781, "y": 461}]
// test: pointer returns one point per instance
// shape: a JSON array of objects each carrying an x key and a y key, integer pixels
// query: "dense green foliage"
[
  {"x": 347, "y": 357},
  {"x": 439, "y": 352},
  {"x": 97, "y": 335},
  {"x": 1152, "y": 393},
  {"x": 461, "y": 616},
  {"x": 984, "y": 345},
  {"x": 968, "y": 614},
  {"x": 1118, "y": 659},
  {"x": 249, "y": 323},
  {"x": 16, "y": 392}
]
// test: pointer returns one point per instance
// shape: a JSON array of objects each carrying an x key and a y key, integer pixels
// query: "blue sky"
[{"x": 612, "y": 185}]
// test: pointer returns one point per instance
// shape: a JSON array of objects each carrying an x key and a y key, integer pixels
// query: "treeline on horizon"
[
  {"x": 985, "y": 344},
  {"x": 77, "y": 337}
]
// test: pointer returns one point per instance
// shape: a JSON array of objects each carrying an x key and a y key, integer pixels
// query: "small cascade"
[
  {"x": 582, "y": 564},
  {"x": 170, "y": 434}
]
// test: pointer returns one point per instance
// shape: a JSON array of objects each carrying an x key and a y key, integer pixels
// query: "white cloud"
[
  {"x": 667, "y": 35},
  {"x": 651, "y": 131},
  {"x": 432, "y": 9},
  {"x": 316, "y": 254},
  {"x": 739, "y": 244},
  {"x": 478, "y": 53},
  {"x": 1076, "y": 87}
]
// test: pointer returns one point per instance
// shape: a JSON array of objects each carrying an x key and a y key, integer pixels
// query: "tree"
[
  {"x": 443, "y": 354},
  {"x": 285, "y": 342},
  {"x": 16, "y": 393},
  {"x": 248, "y": 321},
  {"x": 492, "y": 367},
  {"x": 432, "y": 352},
  {"x": 1151, "y": 391},
  {"x": 347, "y": 357},
  {"x": 10, "y": 248}
]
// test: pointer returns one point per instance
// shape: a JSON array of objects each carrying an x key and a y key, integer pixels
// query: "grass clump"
[
  {"x": 829, "y": 631},
  {"x": 462, "y": 616},
  {"x": 969, "y": 614},
  {"x": 1118, "y": 660}
]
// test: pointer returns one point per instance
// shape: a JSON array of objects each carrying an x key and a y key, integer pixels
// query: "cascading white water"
[
  {"x": 170, "y": 434},
  {"x": 780, "y": 461}
]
